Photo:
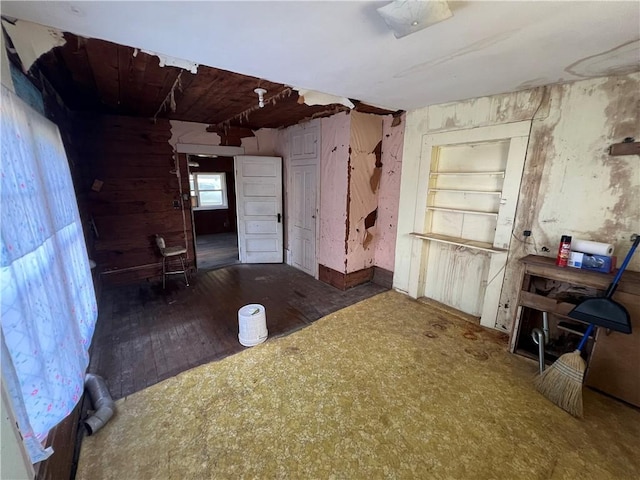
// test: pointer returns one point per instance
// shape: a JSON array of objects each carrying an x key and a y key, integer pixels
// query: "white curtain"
[{"x": 47, "y": 300}]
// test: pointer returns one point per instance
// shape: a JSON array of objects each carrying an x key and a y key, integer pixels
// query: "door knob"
[{"x": 279, "y": 217}]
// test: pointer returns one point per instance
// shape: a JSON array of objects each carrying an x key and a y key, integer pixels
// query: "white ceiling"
[{"x": 345, "y": 48}]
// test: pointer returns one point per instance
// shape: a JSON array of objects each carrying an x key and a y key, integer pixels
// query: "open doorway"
[{"x": 213, "y": 201}]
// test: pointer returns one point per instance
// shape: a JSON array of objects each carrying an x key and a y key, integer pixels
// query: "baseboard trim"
[
  {"x": 344, "y": 281},
  {"x": 382, "y": 277}
]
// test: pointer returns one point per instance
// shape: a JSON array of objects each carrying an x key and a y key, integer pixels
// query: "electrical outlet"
[{"x": 176, "y": 204}]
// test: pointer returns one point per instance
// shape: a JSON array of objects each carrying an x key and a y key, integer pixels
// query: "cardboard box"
[
  {"x": 575, "y": 259},
  {"x": 598, "y": 263}
]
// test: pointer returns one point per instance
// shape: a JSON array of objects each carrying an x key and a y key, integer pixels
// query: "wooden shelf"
[
  {"x": 461, "y": 242},
  {"x": 460, "y": 210},
  {"x": 493, "y": 174},
  {"x": 482, "y": 192},
  {"x": 546, "y": 267}
]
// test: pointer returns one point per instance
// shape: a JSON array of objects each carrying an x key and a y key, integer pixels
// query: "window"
[{"x": 208, "y": 191}]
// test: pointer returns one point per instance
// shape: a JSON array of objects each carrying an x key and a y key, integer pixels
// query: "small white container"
[{"x": 252, "y": 325}]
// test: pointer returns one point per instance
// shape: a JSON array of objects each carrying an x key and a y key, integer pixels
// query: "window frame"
[{"x": 196, "y": 191}]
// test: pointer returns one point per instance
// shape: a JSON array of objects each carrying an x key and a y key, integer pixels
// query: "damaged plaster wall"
[
  {"x": 5, "y": 72},
  {"x": 365, "y": 171},
  {"x": 193, "y": 133},
  {"x": 334, "y": 156},
  {"x": 389, "y": 192},
  {"x": 32, "y": 40},
  {"x": 263, "y": 143},
  {"x": 360, "y": 163},
  {"x": 570, "y": 184}
]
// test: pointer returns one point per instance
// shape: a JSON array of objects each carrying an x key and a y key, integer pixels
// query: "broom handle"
[
  {"x": 627, "y": 259},
  {"x": 583, "y": 342}
]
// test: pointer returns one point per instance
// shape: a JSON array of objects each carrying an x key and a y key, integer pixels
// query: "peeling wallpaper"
[
  {"x": 5, "y": 72},
  {"x": 570, "y": 184},
  {"x": 389, "y": 193},
  {"x": 365, "y": 167},
  {"x": 193, "y": 133},
  {"x": 334, "y": 156},
  {"x": 264, "y": 142},
  {"x": 357, "y": 169}
]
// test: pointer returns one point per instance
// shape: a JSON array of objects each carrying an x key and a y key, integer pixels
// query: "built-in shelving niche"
[{"x": 470, "y": 182}]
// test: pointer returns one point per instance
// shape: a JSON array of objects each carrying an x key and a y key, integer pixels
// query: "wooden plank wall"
[{"x": 139, "y": 197}]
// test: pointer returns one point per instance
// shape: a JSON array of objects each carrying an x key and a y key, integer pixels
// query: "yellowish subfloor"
[{"x": 387, "y": 388}]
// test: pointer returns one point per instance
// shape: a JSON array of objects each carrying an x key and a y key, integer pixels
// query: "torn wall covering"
[
  {"x": 365, "y": 169},
  {"x": 311, "y": 97},
  {"x": 32, "y": 40},
  {"x": 570, "y": 184},
  {"x": 263, "y": 143},
  {"x": 5, "y": 72},
  {"x": 389, "y": 192},
  {"x": 334, "y": 155}
]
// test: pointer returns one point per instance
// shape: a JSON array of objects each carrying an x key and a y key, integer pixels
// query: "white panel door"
[
  {"x": 303, "y": 217},
  {"x": 302, "y": 199},
  {"x": 259, "y": 206},
  {"x": 304, "y": 142}
]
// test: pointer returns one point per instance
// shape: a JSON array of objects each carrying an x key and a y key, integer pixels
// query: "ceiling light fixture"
[
  {"x": 260, "y": 92},
  {"x": 404, "y": 17}
]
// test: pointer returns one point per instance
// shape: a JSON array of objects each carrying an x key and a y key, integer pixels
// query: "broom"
[{"x": 562, "y": 382}]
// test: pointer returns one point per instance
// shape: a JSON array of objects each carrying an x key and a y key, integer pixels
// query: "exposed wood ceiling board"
[
  {"x": 135, "y": 79},
  {"x": 484, "y": 49},
  {"x": 103, "y": 59},
  {"x": 61, "y": 80},
  {"x": 95, "y": 75},
  {"x": 126, "y": 77},
  {"x": 364, "y": 108},
  {"x": 232, "y": 95},
  {"x": 156, "y": 85},
  {"x": 196, "y": 91},
  {"x": 216, "y": 96},
  {"x": 287, "y": 111},
  {"x": 74, "y": 57}
]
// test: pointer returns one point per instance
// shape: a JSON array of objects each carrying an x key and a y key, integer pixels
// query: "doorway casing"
[{"x": 182, "y": 151}]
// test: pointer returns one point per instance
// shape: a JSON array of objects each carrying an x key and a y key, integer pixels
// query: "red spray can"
[{"x": 563, "y": 251}]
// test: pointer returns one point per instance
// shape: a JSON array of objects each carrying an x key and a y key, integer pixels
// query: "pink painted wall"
[
  {"x": 334, "y": 155},
  {"x": 364, "y": 182},
  {"x": 389, "y": 193},
  {"x": 264, "y": 143}
]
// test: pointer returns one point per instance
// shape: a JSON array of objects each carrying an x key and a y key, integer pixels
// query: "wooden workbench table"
[{"x": 614, "y": 361}]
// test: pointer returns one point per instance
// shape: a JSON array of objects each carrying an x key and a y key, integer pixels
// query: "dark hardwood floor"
[
  {"x": 146, "y": 334},
  {"x": 216, "y": 250}
]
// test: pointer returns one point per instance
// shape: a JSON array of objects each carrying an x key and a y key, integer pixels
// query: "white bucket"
[{"x": 252, "y": 325}]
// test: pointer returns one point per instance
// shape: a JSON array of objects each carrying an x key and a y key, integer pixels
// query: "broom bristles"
[{"x": 562, "y": 382}]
